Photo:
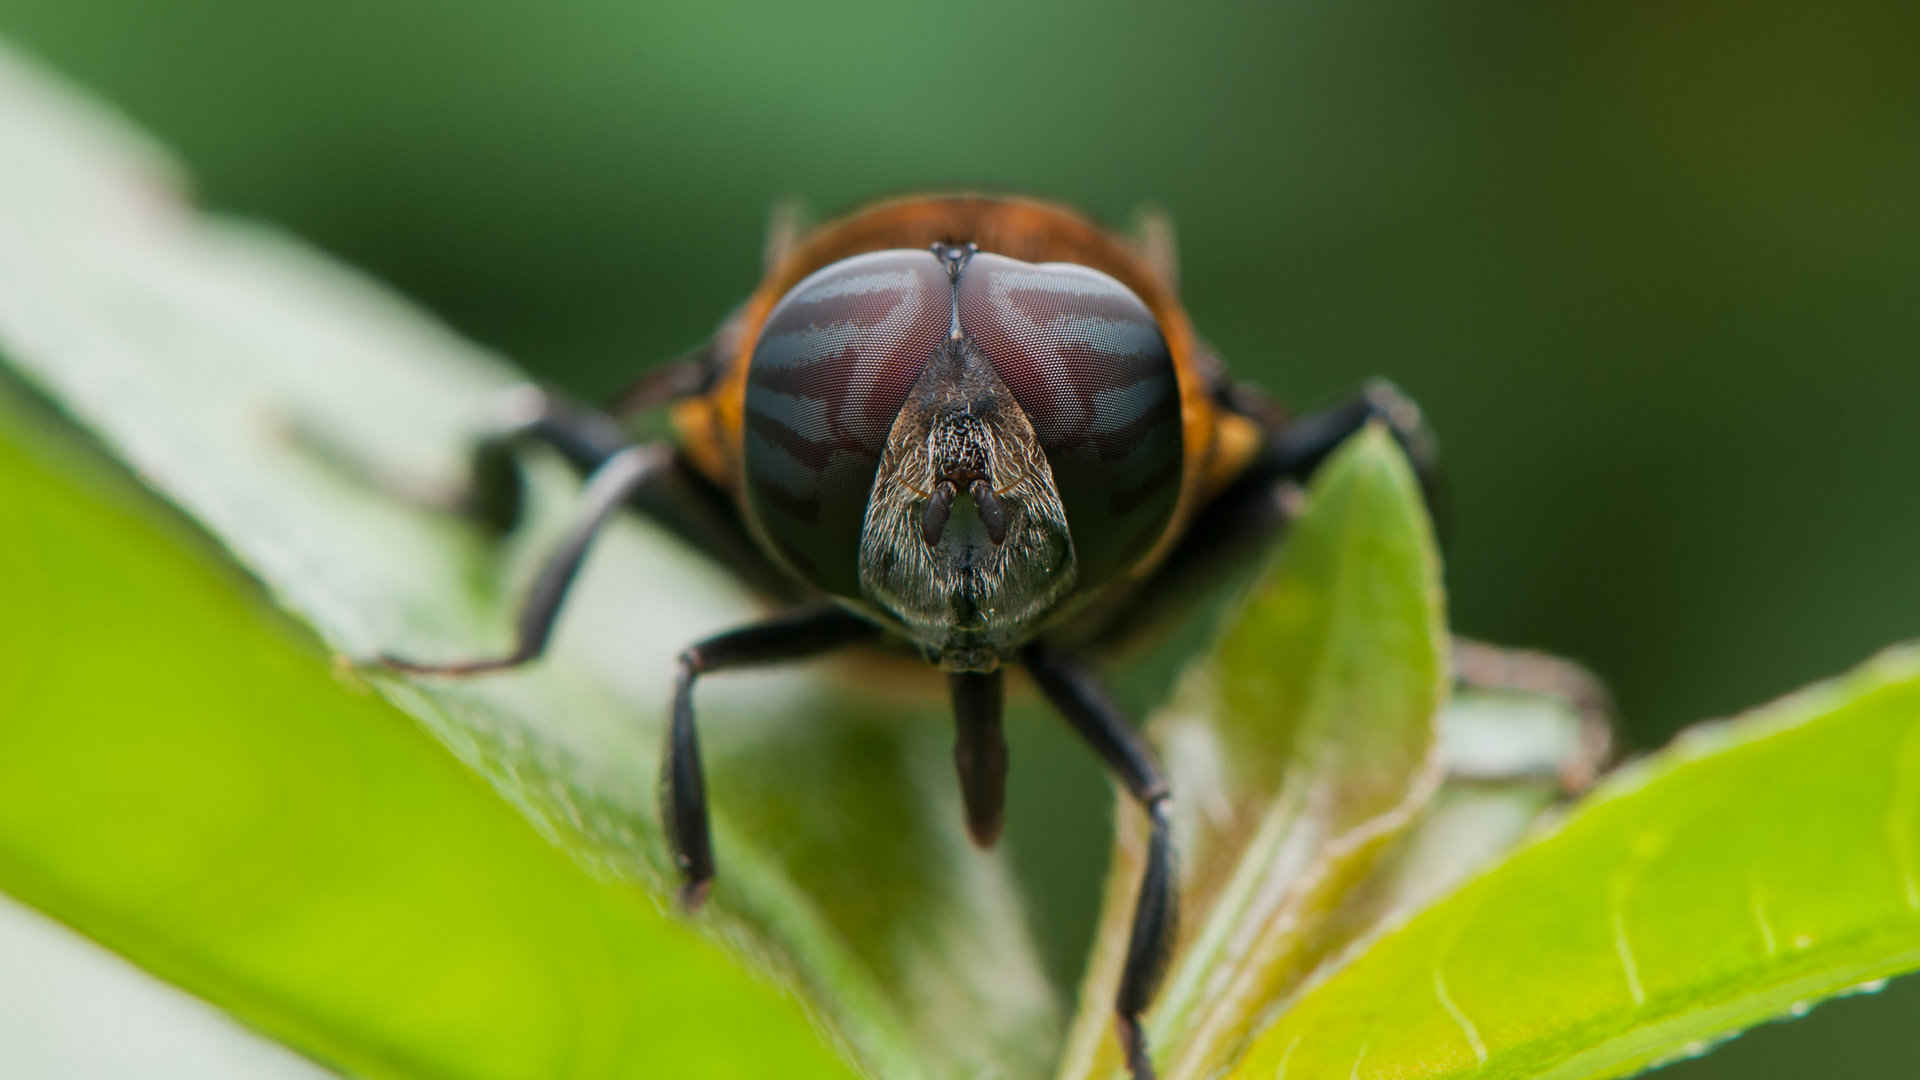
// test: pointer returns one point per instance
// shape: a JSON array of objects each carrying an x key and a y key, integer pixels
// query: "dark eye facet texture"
[
  {"x": 1085, "y": 359},
  {"x": 829, "y": 373}
]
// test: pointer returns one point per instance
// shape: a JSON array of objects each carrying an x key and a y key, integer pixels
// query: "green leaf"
[
  {"x": 64, "y": 993},
  {"x": 1743, "y": 873},
  {"x": 1297, "y": 754},
  {"x": 183, "y": 781},
  {"x": 191, "y": 346},
  {"x": 1509, "y": 758}
]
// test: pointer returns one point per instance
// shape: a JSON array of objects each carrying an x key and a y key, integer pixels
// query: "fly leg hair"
[
  {"x": 1074, "y": 691},
  {"x": 683, "y": 789}
]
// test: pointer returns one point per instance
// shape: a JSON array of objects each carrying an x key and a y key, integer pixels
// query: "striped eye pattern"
[
  {"x": 1079, "y": 351},
  {"x": 1085, "y": 359},
  {"x": 831, "y": 369}
]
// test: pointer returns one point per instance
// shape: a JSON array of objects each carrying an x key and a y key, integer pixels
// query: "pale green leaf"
[
  {"x": 182, "y": 780},
  {"x": 1297, "y": 754},
  {"x": 1507, "y": 757},
  {"x": 1743, "y": 873}
]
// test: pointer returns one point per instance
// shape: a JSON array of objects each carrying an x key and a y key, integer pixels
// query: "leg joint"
[{"x": 691, "y": 662}]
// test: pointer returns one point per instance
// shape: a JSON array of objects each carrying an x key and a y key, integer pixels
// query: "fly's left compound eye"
[
  {"x": 1084, "y": 357},
  {"x": 828, "y": 376}
]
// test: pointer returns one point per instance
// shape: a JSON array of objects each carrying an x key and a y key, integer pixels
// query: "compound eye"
[
  {"x": 1084, "y": 357},
  {"x": 829, "y": 373}
]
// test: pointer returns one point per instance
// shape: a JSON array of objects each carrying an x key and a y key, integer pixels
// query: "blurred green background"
[{"x": 1653, "y": 270}]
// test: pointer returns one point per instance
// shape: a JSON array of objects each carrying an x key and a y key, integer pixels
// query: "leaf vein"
[
  {"x": 1281, "y": 1072},
  {"x": 1757, "y": 904},
  {"x": 1623, "y": 949},
  {"x": 1459, "y": 1016}
]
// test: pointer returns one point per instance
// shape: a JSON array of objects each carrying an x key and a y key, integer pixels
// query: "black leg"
[
  {"x": 1073, "y": 690},
  {"x": 686, "y": 377},
  {"x": 613, "y": 483},
  {"x": 680, "y": 499},
  {"x": 490, "y": 493},
  {"x": 1233, "y": 532},
  {"x": 683, "y": 786},
  {"x": 1296, "y": 448},
  {"x": 586, "y": 438},
  {"x": 980, "y": 752}
]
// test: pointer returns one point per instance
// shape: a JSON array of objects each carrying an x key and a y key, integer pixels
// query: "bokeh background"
[{"x": 1652, "y": 270}]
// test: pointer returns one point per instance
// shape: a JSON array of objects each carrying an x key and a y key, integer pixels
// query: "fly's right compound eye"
[
  {"x": 829, "y": 374},
  {"x": 1084, "y": 356}
]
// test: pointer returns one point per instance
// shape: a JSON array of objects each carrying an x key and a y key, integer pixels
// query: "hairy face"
[{"x": 965, "y": 540}]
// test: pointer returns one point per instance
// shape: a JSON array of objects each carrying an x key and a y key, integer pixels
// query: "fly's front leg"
[
  {"x": 611, "y": 485},
  {"x": 683, "y": 790},
  {"x": 1073, "y": 690}
]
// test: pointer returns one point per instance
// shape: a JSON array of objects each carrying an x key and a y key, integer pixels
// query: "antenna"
[{"x": 955, "y": 258}]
